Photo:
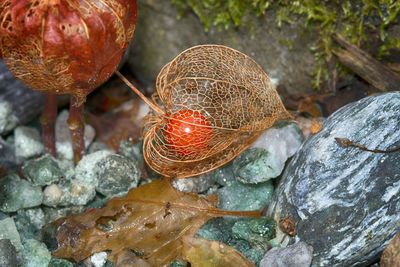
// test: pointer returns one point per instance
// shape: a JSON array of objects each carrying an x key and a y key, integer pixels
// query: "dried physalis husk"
[
  {"x": 216, "y": 102},
  {"x": 65, "y": 46}
]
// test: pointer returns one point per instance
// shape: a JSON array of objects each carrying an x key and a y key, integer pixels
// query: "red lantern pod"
[
  {"x": 214, "y": 101},
  {"x": 65, "y": 47}
]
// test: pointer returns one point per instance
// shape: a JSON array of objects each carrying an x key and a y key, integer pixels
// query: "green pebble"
[
  {"x": 60, "y": 263},
  {"x": 30, "y": 223},
  {"x": 42, "y": 171},
  {"x": 8, "y": 230},
  {"x": 35, "y": 254},
  {"x": 255, "y": 165},
  {"x": 16, "y": 194},
  {"x": 8, "y": 254},
  {"x": 239, "y": 196},
  {"x": 257, "y": 231},
  {"x": 178, "y": 264}
]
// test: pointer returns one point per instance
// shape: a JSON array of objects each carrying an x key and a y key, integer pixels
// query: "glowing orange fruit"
[{"x": 188, "y": 132}]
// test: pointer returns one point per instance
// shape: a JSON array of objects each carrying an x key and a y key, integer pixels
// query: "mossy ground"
[{"x": 356, "y": 20}]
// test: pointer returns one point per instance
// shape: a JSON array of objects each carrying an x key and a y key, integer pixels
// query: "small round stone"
[{"x": 52, "y": 195}]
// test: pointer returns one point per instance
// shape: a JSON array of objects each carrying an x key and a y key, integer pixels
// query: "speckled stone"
[
  {"x": 345, "y": 201},
  {"x": 8, "y": 230},
  {"x": 35, "y": 254},
  {"x": 27, "y": 142},
  {"x": 239, "y": 196},
  {"x": 29, "y": 223},
  {"x": 116, "y": 175},
  {"x": 54, "y": 262},
  {"x": 8, "y": 254},
  {"x": 297, "y": 255},
  {"x": 42, "y": 171},
  {"x": 16, "y": 194}
]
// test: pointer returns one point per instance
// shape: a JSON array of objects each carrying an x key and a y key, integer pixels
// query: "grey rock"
[
  {"x": 8, "y": 119},
  {"x": 8, "y": 160},
  {"x": 8, "y": 230},
  {"x": 133, "y": 151},
  {"x": 116, "y": 175},
  {"x": 60, "y": 263},
  {"x": 42, "y": 171},
  {"x": 262, "y": 40},
  {"x": 35, "y": 254},
  {"x": 97, "y": 146},
  {"x": 16, "y": 194},
  {"x": 297, "y": 255},
  {"x": 345, "y": 201},
  {"x": 29, "y": 223},
  {"x": 239, "y": 196},
  {"x": 197, "y": 184},
  {"x": 63, "y": 136},
  {"x": 26, "y": 103},
  {"x": 27, "y": 142},
  {"x": 8, "y": 254}
]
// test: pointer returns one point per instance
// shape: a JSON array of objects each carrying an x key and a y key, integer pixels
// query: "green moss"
[{"x": 354, "y": 19}]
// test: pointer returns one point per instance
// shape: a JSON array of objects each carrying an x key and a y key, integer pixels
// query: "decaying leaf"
[
  {"x": 151, "y": 221},
  {"x": 204, "y": 253},
  {"x": 215, "y": 102}
]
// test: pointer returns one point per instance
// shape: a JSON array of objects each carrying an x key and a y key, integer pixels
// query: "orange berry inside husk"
[{"x": 188, "y": 132}]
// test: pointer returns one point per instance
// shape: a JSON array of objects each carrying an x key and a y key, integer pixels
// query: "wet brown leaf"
[
  {"x": 151, "y": 220},
  {"x": 214, "y": 102},
  {"x": 204, "y": 253}
]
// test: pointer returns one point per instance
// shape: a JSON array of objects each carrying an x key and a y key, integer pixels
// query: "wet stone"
[
  {"x": 345, "y": 201},
  {"x": 54, "y": 262},
  {"x": 35, "y": 254},
  {"x": 27, "y": 142},
  {"x": 239, "y": 196},
  {"x": 297, "y": 255},
  {"x": 8, "y": 254},
  {"x": 16, "y": 194},
  {"x": 116, "y": 175},
  {"x": 29, "y": 223},
  {"x": 42, "y": 171}
]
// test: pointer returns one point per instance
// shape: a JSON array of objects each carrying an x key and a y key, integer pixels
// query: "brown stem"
[
  {"x": 140, "y": 94},
  {"x": 48, "y": 121},
  {"x": 77, "y": 126},
  {"x": 344, "y": 143}
]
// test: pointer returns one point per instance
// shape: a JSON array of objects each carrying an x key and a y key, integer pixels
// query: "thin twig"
[
  {"x": 344, "y": 142},
  {"x": 140, "y": 94}
]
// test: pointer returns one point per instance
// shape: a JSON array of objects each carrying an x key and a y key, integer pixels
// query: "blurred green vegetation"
[{"x": 356, "y": 20}]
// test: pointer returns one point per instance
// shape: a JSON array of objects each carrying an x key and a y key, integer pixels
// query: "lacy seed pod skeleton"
[
  {"x": 211, "y": 103},
  {"x": 65, "y": 47}
]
